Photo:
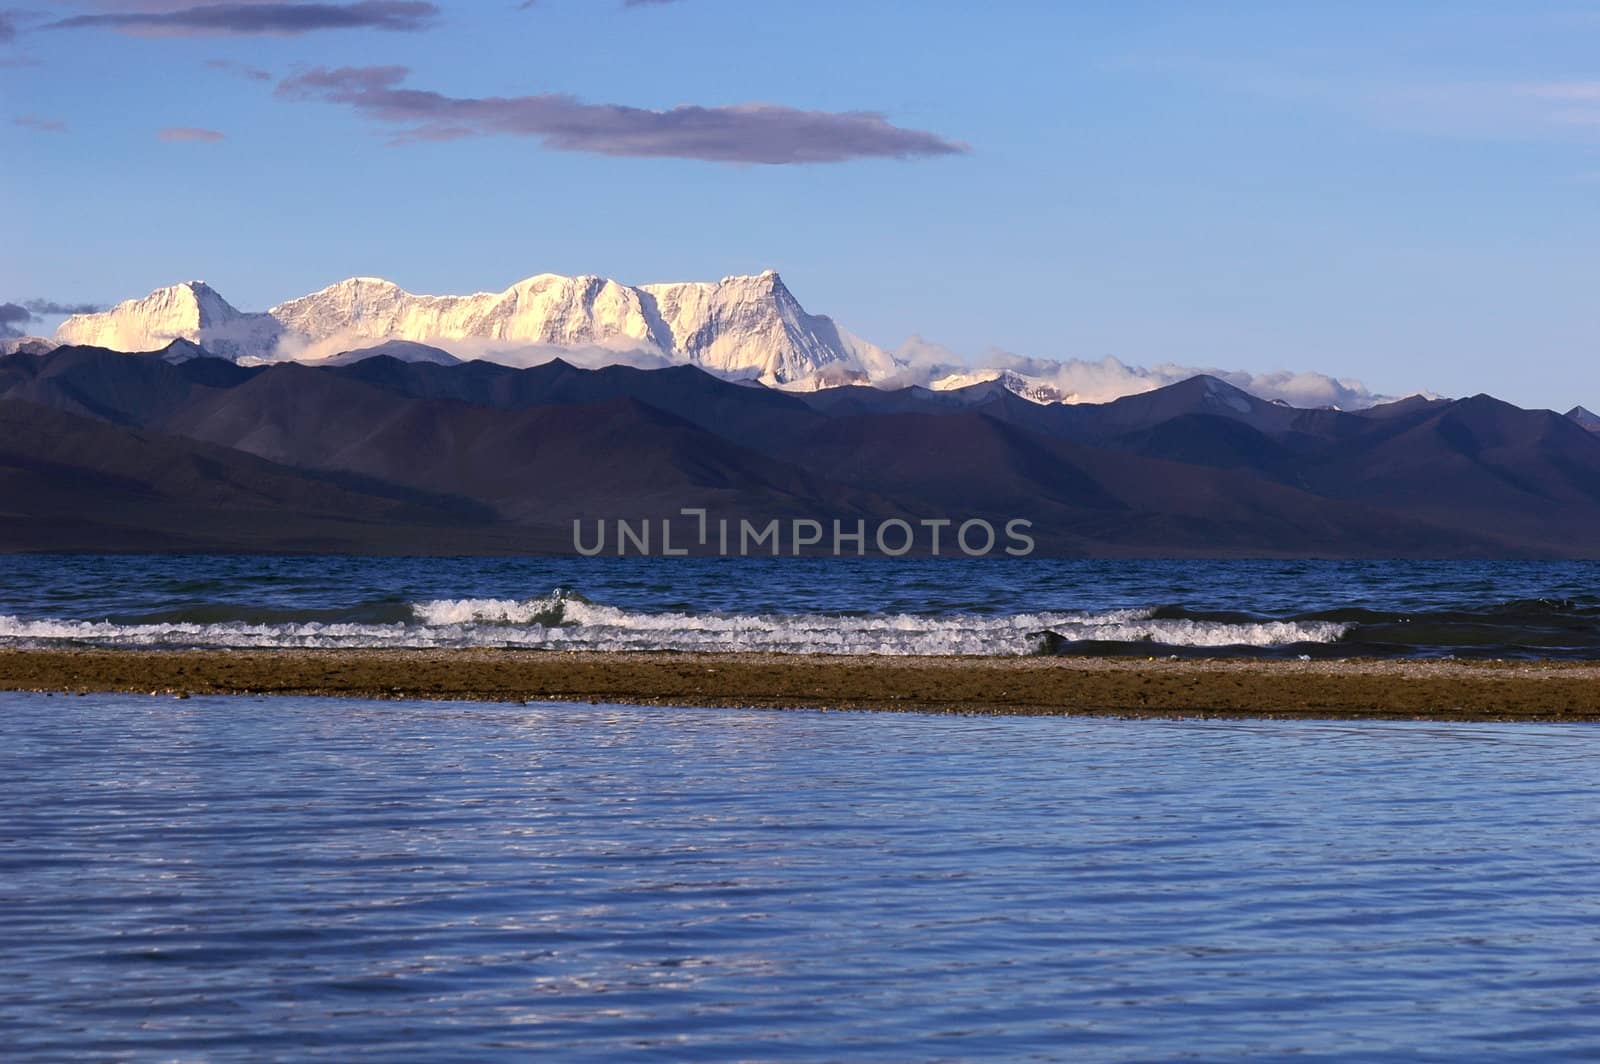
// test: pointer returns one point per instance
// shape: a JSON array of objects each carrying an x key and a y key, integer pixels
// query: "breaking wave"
[{"x": 563, "y": 621}]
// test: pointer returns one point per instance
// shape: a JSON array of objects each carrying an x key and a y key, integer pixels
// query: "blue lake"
[
  {"x": 1296, "y": 608},
  {"x": 237, "y": 878}
]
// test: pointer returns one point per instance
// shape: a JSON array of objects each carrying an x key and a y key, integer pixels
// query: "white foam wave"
[
  {"x": 547, "y": 610},
  {"x": 561, "y": 622},
  {"x": 1185, "y": 633}
]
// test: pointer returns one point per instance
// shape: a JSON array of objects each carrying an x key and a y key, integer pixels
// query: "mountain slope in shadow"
[
  {"x": 366, "y": 452},
  {"x": 69, "y": 482}
]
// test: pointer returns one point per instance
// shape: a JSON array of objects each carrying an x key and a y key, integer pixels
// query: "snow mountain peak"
[
  {"x": 190, "y": 310},
  {"x": 746, "y": 327},
  {"x": 743, "y": 327}
]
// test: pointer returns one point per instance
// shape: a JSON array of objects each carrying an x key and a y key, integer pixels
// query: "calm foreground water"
[
  {"x": 869, "y": 606},
  {"x": 237, "y": 878}
]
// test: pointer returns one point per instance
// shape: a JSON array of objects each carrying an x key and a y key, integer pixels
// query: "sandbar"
[{"x": 1115, "y": 686}]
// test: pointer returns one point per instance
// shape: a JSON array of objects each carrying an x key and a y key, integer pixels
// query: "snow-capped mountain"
[
  {"x": 27, "y": 345},
  {"x": 1012, "y": 381},
  {"x": 547, "y": 309},
  {"x": 741, "y": 327},
  {"x": 192, "y": 311},
  {"x": 753, "y": 326}
]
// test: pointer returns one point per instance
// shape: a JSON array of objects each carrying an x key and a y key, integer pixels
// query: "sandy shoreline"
[{"x": 1432, "y": 690}]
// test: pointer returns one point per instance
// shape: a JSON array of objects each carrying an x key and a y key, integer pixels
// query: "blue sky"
[{"x": 1403, "y": 193}]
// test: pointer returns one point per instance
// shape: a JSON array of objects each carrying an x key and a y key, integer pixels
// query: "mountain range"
[
  {"x": 739, "y": 328},
  {"x": 403, "y": 449}
]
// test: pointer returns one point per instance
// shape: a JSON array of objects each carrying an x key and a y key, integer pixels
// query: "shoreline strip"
[{"x": 1122, "y": 687}]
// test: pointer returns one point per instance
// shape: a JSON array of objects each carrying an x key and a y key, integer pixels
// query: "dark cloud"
[
  {"x": 50, "y": 306},
  {"x": 43, "y": 125},
  {"x": 189, "y": 135},
  {"x": 12, "y": 315},
  {"x": 743, "y": 133},
  {"x": 236, "y": 19},
  {"x": 8, "y": 27},
  {"x": 228, "y": 66}
]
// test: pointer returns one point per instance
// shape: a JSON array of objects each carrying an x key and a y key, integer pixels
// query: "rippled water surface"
[
  {"x": 235, "y": 878},
  {"x": 1297, "y": 608}
]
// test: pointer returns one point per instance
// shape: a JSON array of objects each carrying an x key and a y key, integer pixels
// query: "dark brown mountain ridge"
[{"x": 101, "y": 450}]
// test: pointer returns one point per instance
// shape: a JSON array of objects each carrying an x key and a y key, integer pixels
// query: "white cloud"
[
  {"x": 1083, "y": 381},
  {"x": 291, "y": 347}
]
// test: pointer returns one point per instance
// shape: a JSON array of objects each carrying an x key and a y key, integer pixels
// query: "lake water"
[
  {"x": 235, "y": 878},
  {"x": 798, "y": 605}
]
